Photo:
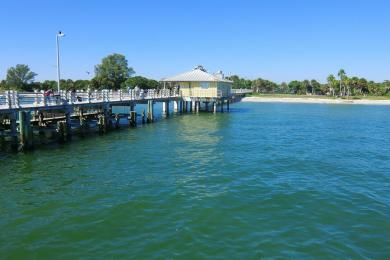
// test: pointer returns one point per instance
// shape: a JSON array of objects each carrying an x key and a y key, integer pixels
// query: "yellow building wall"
[{"x": 194, "y": 89}]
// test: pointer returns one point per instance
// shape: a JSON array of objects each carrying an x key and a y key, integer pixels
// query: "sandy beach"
[{"x": 315, "y": 100}]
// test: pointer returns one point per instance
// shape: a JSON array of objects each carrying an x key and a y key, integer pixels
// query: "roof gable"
[{"x": 198, "y": 74}]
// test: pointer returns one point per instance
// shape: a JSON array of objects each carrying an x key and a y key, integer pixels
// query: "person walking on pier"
[
  {"x": 47, "y": 94},
  {"x": 73, "y": 95}
]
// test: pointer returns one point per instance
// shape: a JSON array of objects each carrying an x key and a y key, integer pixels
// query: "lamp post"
[{"x": 59, "y": 34}]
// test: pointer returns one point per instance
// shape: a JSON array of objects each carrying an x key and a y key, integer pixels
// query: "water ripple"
[{"x": 266, "y": 180}]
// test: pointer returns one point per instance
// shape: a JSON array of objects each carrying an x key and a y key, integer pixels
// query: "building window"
[{"x": 204, "y": 85}]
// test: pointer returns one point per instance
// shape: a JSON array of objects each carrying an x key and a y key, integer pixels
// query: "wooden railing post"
[
  {"x": 8, "y": 100},
  {"x": 16, "y": 99},
  {"x": 104, "y": 95},
  {"x": 89, "y": 95},
  {"x": 43, "y": 101},
  {"x": 70, "y": 97},
  {"x": 36, "y": 97}
]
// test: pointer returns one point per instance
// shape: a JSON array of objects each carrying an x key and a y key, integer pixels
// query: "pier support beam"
[
  {"x": 25, "y": 131},
  {"x": 68, "y": 124},
  {"x": 83, "y": 123},
  {"x": 62, "y": 131},
  {"x": 117, "y": 121},
  {"x": 175, "y": 106},
  {"x": 13, "y": 126},
  {"x": 206, "y": 106},
  {"x": 189, "y": 106},
  {"x": 165, "y": 108},
  {"x": 103, "y": 121},
  {"x": 222, "y": 103},
  {"x": 228, "y": 105},
  {"x": 214, "y": 107},
  {"x": 150, "y": 116},
  {"x": 180, "y": 106},
  {"x": 143, "y": 116},
  {"x": 197, "y": 106},
  {"x": 133, "y": 119}
]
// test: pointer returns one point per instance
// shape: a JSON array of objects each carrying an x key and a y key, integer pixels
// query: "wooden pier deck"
[{"x": 23, "y": 114}]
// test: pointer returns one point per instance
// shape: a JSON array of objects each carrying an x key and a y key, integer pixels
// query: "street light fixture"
[{"x": 59, "y": 34}]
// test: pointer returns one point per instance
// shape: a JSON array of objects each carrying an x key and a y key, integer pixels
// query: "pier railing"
[
  {"x": 12, "y": 99},
  {"x": 241, "y": 91}
]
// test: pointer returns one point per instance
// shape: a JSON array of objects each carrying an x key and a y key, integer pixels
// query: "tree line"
[
  {"x": 114, "y": 73},
  {"x": 342, "y": 85}
]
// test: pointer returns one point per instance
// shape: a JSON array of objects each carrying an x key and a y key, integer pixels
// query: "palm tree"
[
  {"x": 347, "y": 83},
  {"x": 354, "y": 85},
  {"x": 306, "y": 85},
  {"x": 331, "y": 83},
  {"x": 341, "y": 74}
]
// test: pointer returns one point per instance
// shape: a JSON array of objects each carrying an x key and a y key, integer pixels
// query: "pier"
[{"x": 26, "y": 115}]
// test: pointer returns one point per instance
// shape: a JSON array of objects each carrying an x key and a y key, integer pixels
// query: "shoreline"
[{"x": 308, "y": 100}]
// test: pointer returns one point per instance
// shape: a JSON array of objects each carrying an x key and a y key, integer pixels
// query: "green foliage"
[
  {"x": 20, "y": 77},
  {"x": 3, "y": 85},
  {"x": 112, "y": 73},
  {"x": 77, "y": 85},
  {"x": 142, "y": 83},
  {"x": 82, "y": 84},
  {"x": 48, "y": 84},
  {"x": 316, "y": 87},
  {"x": 295, "y": 86},
  {"x": 240, "y": 82},
  {"x": 264, "y": 86}
]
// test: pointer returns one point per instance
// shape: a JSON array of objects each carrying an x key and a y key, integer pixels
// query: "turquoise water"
[{"x": 265, "y": 180}]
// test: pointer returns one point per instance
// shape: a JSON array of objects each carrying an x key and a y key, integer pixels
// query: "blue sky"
[{"x": 277, "y": 40}]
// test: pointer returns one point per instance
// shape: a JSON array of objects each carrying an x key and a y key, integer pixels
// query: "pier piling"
[
  {"x": 25, "y": 131},
  {"x": 62, "y": 131},
  {"x": 133, "y": 118},
  {"x": 165, "y": 108},
  {"x": 13, "y": 127},
  {"x": 143, "y": 116},
  {"x": 150, "y": 112},
  {"x": 181, "y": 106},
  {"x": 117, "y": 121},
  {"x": 103, "y": 122},
  {"x": 206, "y": 104},
  {"x": 83, "y": 123},
  {"x": 68, "y": 124}
]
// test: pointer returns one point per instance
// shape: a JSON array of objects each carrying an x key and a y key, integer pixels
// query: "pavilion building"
[{"x": 198, "y": 86}]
